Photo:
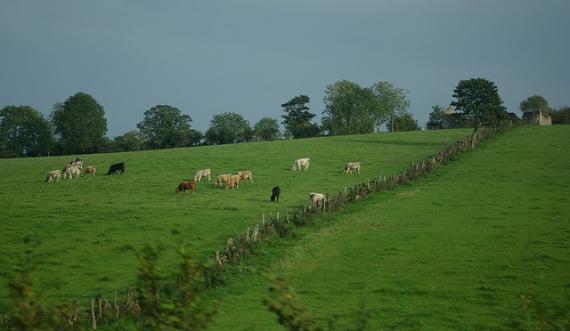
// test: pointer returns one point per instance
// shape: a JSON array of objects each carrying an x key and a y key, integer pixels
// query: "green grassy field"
[
  {"x": 454, "y": 251},
  {"x": 87, "y": 225}
]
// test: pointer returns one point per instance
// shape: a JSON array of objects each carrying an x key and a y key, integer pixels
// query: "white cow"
[
  {"x": 352, "y": 166},
  {"x": 72, "y": 171},
  {"x": 317, "y": 200},
  {"x": 202, "y": 173},
  {"x": 53, "y": 175},
  {"x": 304, "y": 162},
  {"x": 246, "y": 175}
]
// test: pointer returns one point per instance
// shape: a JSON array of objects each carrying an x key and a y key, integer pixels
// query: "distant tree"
[
  {"x": 350, "y": 109},
  {"x": 536, "y": 102},
  {"x": 479, "y": 101},
  {"x": 403, "y": 122},
  {"x": 297, "y": 118},
  {"x": 266, "y": 129},
  {"x": 561, "y": 115},
  {"x": 80, "y": 123},
  {"x": 130, "y": 141},
  {"x": 24, "y": 132},
  {"x": 393, "y": 100},
  {"x": 435, "y": 117},
  {"x": 228, "y": 128},
  {"x": 165, "y": 126}
]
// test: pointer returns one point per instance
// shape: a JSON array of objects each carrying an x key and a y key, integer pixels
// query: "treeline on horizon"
[{"x": 78, "y": 125}]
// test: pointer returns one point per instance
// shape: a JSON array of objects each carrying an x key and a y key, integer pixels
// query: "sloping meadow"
[{"x": 88, "y": 226}]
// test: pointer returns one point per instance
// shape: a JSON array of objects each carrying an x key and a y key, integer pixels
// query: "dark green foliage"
[
  {"x": 171, "y": 304},
  {"x": 266, "y": 129},
  {"x": 435, "y": 118},
  {"x": 228, "y": 128},
  {"x": 289, "y": 313},
  {"x": 165, "y": 126},
  {"x": 24, "y": 132},
  {"x": 479, "y": 101},
  {"x": 130, "y": 141},
  {"x": 393, "y": 101},
  {"x": 561, "y": 115},
  {"x": 80, "y": 123},
  {"x": 535, "y": 102},
  {"x": 403, "y": 122},
  {"x": 297, "y": 118},
  {"x": 350, "y": 109}
]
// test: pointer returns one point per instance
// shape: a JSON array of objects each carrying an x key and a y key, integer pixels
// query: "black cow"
[
  {"x": 275, "y": 192},
  {"x": 115, "y": 168}
]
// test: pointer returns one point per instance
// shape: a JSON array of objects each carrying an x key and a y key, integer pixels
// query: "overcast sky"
[{"x": 250, "y": 56}]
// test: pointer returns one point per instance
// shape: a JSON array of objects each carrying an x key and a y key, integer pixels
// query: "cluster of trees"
[{"x": 79, "y": 126}]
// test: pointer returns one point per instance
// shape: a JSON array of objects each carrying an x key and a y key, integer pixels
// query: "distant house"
[
  {"x": 536, "y": 117},
  {"x": 450, "y": 119}
]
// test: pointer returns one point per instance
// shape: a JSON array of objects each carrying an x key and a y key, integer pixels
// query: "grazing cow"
[
  {"x": 72, "y": 171},
  {"x": 352, "y": 166},
  {"x": 76, "y": 162},
  {"x": 186, "y": 185},
  {"x": 275, "y": 193},
  {"x": 53, "y": 175},
  {"x": 202, "y": 173},
  {"x": 221, "y": 180},
  {"x": 317, "y": 200},
  {"x": 90, "y": 170},
  {"x": 116, "y": 168},
  {"x": 304, "y": 162},
  {"x": 233, "y": 181},
  {"x": 246, "y": 174}
]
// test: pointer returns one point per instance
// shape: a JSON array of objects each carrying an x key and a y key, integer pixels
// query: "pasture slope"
[
  {"x": 88, "y": 225},
  {"x": 453, "y": 251}
]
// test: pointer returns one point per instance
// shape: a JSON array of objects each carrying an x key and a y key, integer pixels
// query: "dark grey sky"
[{"x": 250, "y": 56}]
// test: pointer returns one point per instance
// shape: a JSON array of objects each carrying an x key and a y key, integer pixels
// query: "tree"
[
  {"x": 130, "y": 141},
  {"x": 435, "y": 117},
  {"x": 561, "y": 115},
  {"x": 393, "y": 100},
  {"x": 80, "y": 123},
  {"x": 297, "y": 118},
  {"x": 350, "y": 109},
  {"x": 536, "y": 102},
  {"x": 165, "y": 126},
  {"x": 228, "y": 128},
  {"x": 479, "y": 101},
  {"x": 24, "y": 132},
  {"x": 403, "y": 122},
  {"x": 266, "y": 129}
]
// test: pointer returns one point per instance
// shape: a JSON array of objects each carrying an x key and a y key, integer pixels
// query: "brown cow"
[
  {"x": 233, "y": 182},
  {"x": 186, "y": 185},
  {"x": 221, "y": 180},
  {"x": 246, "y": 175},
  {"x": 90, "y": 170}
]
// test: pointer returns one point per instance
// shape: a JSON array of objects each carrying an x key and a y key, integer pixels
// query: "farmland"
[
  {"x": 453, "y": 251},
  {"x": 88, "y": 225}
]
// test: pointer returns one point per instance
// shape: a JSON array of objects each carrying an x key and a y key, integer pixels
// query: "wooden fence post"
[{"x": 93, "y": 319}]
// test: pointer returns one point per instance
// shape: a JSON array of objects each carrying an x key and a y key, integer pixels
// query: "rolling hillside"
[
  {"x": 88, "y": 225},
  {"x": 454, "y": 251}
]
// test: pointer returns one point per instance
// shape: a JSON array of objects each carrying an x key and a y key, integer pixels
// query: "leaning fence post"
[{"x": 93, "y": 319}]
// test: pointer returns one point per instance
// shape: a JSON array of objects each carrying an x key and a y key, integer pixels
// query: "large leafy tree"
[
  {"x": 403, "y": 122},
  {"x": 130, "y": 141},
  {"x": 80, "y": 123},
  {"x": 435, "y": 117},
  {"x": 297, "y": 118},
  {"x": 24, "y": 132},
  {"x": 266, "y": 129},
  {"x": 479, "y": 101},
  {"x": 228, "y": 128},
  {"x": 393, "y": 101},
  {"x": 165, "y": 126},
  {"x": 535, "y": 102},
  {"x": 350, "y": 109}
]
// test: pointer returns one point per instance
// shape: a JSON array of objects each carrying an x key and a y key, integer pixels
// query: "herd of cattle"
[{"x": 75, "y": 168}]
